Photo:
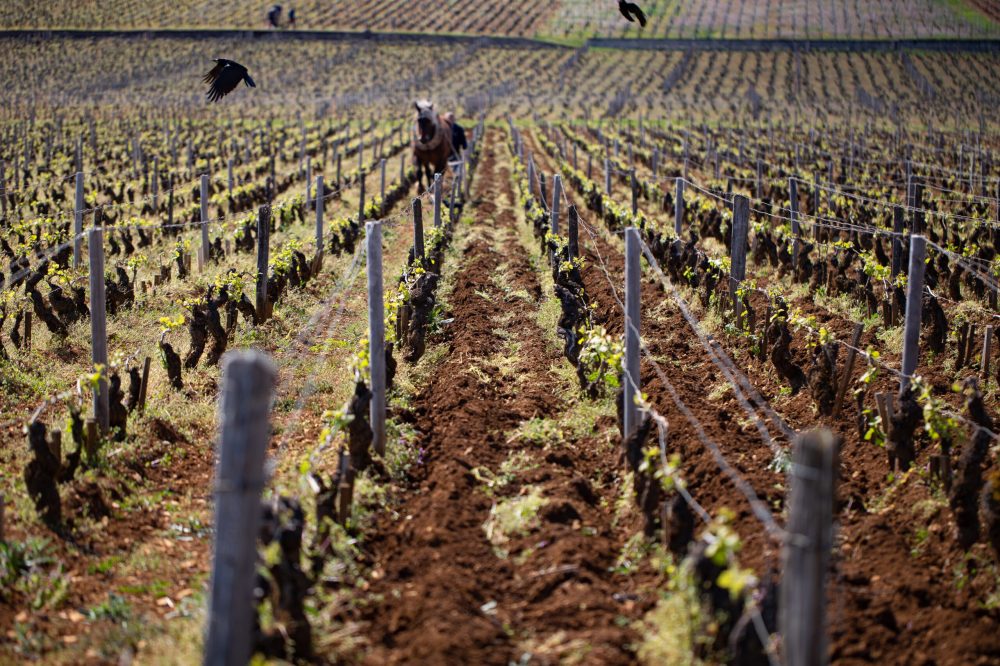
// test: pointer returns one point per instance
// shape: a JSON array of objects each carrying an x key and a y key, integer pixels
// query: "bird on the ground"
[
  {"x": 632, "y": 12},
  {"x": 224, "y": 78}
]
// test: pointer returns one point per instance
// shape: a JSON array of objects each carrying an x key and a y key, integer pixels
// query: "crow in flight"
[
  {"x": 224, "y": 78},
  {"x": 632, "y": 11}
]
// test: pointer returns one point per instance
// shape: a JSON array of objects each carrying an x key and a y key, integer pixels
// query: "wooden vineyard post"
[
  {"x": 418, "y": 232},
  {"x": 309, "y": 171},
  {"x": 987, "y": 349},
  {"x": 897, "y": 240},
  {"x": 27, "y": 330},
  {"x": 607, "y": 176},
  {"x": 78, "y": 220},
  {"x": 453, "y": 199},
  {"x": 554, "y": 208},
  {"x": 685, "y": 172},
  {"x": 573, "y": 231},
  {"x": 845, "y": 378},
  {"x": 738, "y": 253},
  {"x": 263, "y": 258},
  {"x": 98, "y": 327},
  {"x": 248, "y": 379},
  {"x": 914, "y": 297},
  {"x": 229, "y": 177},
  {"x": 633, "y": 276},
  {"x": 634, "y": 185},
  {"x": 205, "y": 248},
  {"x": 320, "y": 192},
  {"x": 806, "y": 553},
  {"x": 155, "y": 185},
  {"x": 381, "y": 187},
  {"x": 338, "y": 171},
  {"x": 760, "y": 180},
  {"x": 273, "y": 185},
  {"x": 793, "y": 193},
  {"x": 144, "y": 385},
  {"x": 466, "y": 178},
  {"x": 678, "y": 205},
  {"x": 402, "y": 168},
  {"x": 376, "y": 334},
  {"x": 437, "y": 200},
  {"x": 361, "y": 198}
]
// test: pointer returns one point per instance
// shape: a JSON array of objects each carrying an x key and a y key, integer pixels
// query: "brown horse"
[{"x": 431, "y": 142}]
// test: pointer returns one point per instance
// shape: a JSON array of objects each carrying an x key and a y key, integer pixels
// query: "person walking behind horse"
[{"x": 458, "y": 141}]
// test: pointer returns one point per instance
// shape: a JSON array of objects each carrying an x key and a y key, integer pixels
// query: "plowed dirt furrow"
[
  {"x": 699, "y": 383},
  {"x": 456, "y": 585}
]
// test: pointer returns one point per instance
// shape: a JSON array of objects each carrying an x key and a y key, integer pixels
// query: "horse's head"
[{"x": 427, "y": 122}]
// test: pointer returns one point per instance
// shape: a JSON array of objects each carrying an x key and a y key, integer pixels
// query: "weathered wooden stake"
[
  {"x": 897, "y": 240},
  {"x": 376, "y": 334},
  {"x": 263, "y": 258},
  {"x": 98, "y": 327},
  {"x": 381, "y": 187},
  {"x": 806, "y": 552},
  {"x": 453, "y": 200},
  {"x": 914, "y": 297},
  {"x": 248, "y": 380},
  {"x": 437, "y": 200},
  {"x": 793, "y": 192},
  {"x": 633, "y": 275},
  {"x": 554, "y": 208},
  {"x": 155, "y": 185},
  {"x": 418, "y": 232},
  {"x": 361, "y": 198},
  {"x": 78, "y": 220},
  {"x": 205, "y": 247},
  {"x": 27, "y": 330},
  {"x": 607, "y": 176},
  {"x": 634, "y": 186},
  {"x": 738, "y": 252}
]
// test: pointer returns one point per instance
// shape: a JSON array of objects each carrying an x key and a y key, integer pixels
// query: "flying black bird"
[
  {"x": 632, "y": 11},
  {"x": 224, "y": 77}
]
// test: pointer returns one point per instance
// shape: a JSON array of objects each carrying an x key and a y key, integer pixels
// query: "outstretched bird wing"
[
  {"x": 624, "y": 9},
  {"x": 632, "y": 11},
  {"x": 224, "y": 77},
  {"x": 212, "y": 75},
  {"x": 639, "y": 14}
]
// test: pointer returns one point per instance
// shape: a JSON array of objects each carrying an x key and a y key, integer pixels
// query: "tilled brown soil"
[
  {"x": 894, "y": 598},
  {"x": 449, "y": 595}
]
